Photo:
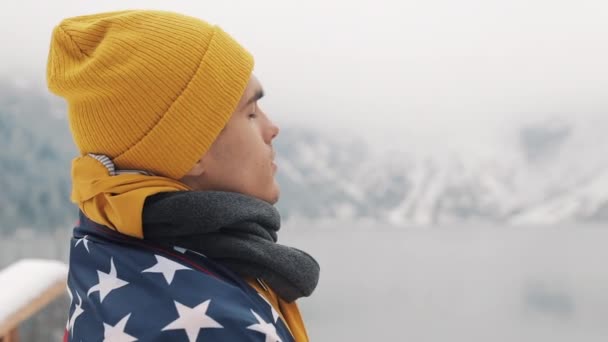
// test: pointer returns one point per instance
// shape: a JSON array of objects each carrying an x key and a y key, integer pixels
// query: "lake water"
[
  {"x": 382, "y": 283},
  {"x": 456, "y": 283}
]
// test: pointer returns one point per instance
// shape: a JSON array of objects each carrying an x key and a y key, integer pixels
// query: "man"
[{"x": 175, "y": 184}]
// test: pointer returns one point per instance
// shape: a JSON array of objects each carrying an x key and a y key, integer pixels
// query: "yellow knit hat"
[{"x": 149, "y": 89}]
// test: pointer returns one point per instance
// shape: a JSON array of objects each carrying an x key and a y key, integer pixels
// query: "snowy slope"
[{"x": 550, "y": 171}]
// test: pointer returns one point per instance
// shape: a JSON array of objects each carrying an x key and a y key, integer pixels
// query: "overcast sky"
[{"x": 431, "y": 69}]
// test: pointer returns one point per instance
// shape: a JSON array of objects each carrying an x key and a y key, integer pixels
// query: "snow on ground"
[{"x": 24, "y": 280}]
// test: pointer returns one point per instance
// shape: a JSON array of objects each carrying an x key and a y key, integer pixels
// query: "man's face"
[{"x": 241, "y": 158}]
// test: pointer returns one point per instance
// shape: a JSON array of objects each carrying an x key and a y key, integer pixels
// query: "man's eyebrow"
[{"x": 258, "y": 95}]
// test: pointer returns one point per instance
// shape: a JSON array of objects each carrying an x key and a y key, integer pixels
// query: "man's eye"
[{"x": 253, "y": 115}]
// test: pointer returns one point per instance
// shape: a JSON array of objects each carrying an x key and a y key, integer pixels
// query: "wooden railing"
[{"x": 26, "y": 287}]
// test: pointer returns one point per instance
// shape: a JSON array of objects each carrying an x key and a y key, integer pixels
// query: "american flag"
[{"x": 123, "y": 289}]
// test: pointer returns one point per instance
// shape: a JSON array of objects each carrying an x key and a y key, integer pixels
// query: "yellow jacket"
[{"x": 289, "y": 312}]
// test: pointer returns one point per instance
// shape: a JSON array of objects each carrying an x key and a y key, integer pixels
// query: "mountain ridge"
[{"x": 549, "y": 171}]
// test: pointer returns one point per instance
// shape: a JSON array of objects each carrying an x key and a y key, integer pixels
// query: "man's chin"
[{"x": 275, "y": 198}]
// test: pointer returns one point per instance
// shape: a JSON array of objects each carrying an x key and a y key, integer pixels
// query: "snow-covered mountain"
[
  {"x": 551, "y": 171},
  {"x": 547, "y": 171}
]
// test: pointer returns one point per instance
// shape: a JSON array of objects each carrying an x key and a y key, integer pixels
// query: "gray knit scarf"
[{"x": 237, "y": 230}]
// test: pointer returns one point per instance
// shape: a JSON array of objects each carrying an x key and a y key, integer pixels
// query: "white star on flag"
[
  {"x": 198, "y": 253},
  {"x": 192, "y": 320},
  {"x": 69, "y": 293},
  {"x": 166, "y": 267},
  {"x": 107, "y": 282},
  {"x": 67, "y": 324},
  {"x": 77, "y": 312},
  {"x": 117, "y": 333},
  {"x": 268, "y": 329},
  {"x": 180, "y": 249},
  {"x": 275, "y": 314},
  {"x": 84, "y": 241}
]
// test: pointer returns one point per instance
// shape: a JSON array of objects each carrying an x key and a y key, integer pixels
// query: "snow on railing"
[{"x": 26, "y": 287}]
